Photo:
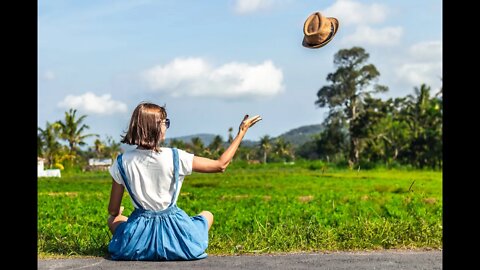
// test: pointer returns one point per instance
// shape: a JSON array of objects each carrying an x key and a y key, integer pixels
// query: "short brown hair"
[{"x": 144, "y": 128}]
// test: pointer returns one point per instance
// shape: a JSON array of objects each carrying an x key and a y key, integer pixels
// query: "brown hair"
[{"x": 144, "y": 128}]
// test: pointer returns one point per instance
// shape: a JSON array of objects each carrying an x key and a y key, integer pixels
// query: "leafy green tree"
[
  {"x": 384, "y": 134},
  {"x": 332, "y": 142},
  {"x": 65, "y": 159},
  {"x": 351, "y": 83},
  {"x": 408, "y": 129},
  {"x": 308, "y": 150},
  {"x": 246, "y": 153}
]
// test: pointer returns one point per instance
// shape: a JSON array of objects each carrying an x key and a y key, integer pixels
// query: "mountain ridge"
[{"x": 296, "y": 136}]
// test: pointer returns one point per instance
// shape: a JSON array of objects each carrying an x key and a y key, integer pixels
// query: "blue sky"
[{"x": 211, "y": 62}]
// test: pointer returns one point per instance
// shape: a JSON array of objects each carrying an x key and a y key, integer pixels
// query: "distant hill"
[
  {"x": 297, "y": 136},
  {"x": 301, "y": 135},
  {"x": 206, "y": 138}
]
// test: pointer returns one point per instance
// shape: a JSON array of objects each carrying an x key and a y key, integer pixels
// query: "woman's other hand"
[{"x": 248, "y": 122}]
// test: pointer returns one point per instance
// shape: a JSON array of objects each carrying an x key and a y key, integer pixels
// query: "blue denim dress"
[{"x": 169, "y": 234}]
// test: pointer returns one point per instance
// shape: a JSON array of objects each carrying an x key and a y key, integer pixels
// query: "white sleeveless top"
[{"x": 150, "y": 175}]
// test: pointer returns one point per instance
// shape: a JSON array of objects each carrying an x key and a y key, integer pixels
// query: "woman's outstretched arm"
[{"x": 206, "y": 165}]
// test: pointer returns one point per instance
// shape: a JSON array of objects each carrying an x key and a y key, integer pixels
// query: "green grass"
[{"x": 262, "y": 209}]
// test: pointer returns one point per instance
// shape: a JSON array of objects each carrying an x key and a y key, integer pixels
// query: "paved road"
[{"x": 334, "y": 260}]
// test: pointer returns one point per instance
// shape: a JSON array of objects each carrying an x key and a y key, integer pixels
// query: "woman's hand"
[
  {"x": 207, "y": 165},
  {"x": 248, "y": 122}
]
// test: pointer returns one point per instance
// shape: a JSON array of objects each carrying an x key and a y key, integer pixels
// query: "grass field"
[{"x": 262, "y": 209}]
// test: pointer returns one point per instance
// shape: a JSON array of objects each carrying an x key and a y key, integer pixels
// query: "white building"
[
  {"x": 40, "y": 162},
  {"x": 41, "y": 172},
  {"x": 96, "y": 164},
  {"x": 100, "y": 162}
]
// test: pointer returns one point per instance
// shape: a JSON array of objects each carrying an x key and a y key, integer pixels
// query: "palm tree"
[
  {"x": 216, "y": 146},
  {"x": 198, "y": 147},
  {"x": 72, "y": 130},
  {"x": 230, "y": 136},
  {"x": 424, "y": 116},
  {"x": 48, "y": 143},
  {"x": 265, "y": 146},
  {"x": 283, "y": 149},
  {"x": 99, "y": 148},
  {"x": 39, "y": 145},
  {"x": 112, "y": 148},
  {"x": 105, "y": 149}
]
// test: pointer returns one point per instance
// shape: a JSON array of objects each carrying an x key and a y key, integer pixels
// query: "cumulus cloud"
[
  {"x": 366, "y": 35},
  {"x": 91, "y": 103},
  {"x": 250, "y": 6},
  {"x": 362, "y": 15},
  {"x": 350, "y": 12},
  {"x": 195, "y": 77},
  {"x": 426, "y": 51},
  {"x": 423, "y": 64}
]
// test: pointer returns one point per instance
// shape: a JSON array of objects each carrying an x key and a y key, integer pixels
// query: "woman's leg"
[
  {"x": 209, "y": 216},
  {"x": 113, "y": 222}
]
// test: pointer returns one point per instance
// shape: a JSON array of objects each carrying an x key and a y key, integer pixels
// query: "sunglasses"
[{"x": 167, "y": 123}]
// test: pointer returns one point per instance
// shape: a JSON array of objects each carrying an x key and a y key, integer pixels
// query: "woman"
[{"x": 158, "y": 229}]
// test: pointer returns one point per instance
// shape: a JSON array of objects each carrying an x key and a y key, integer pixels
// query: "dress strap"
[
  {"x": 124, "y": 176},
  {"x": 175, "y": 174}
]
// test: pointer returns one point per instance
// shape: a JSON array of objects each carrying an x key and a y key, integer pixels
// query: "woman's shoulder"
[
  {"x": 180, "y": 151},
  {"x": 162, "y": 149},
  {"x": 165, "y": 149}
]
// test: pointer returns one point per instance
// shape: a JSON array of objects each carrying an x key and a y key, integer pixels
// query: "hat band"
[{"x": 331, "y": 31}]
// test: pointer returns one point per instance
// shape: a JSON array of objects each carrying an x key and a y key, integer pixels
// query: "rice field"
[{"x": 262, "y": 208}]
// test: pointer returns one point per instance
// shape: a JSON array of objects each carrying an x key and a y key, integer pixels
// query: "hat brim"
[{"x": 335, "y": 22}]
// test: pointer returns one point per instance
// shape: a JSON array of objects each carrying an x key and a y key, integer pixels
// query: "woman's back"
[{"x": 150, "y": 176}]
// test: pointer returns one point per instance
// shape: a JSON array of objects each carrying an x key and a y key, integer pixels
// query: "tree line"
[
  {"x": 363, "y": 129},
  {"x": 71, "y": 131},
  {"x": 359, "y": 129}
]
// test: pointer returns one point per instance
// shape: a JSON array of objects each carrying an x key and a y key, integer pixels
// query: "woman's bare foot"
[{"x": 111, "y": 218}]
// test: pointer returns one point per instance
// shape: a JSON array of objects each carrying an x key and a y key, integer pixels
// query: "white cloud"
[
  {"x": 250, "y": 6},
  {"x": 194, "y": 77},
  {"x": 424, "y": 64},
  {"x": 49, "y": 75},
  {"x": 91, "y": 103},
  {"x": 426, "y": 51},
  {"x": 368, "y": 36},
  {"x": 352, "y": 12},
  {"x": 173, "y": 74}
]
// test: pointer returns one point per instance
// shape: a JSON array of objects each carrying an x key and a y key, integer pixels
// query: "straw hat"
[{"x": 319, "y": 30}]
